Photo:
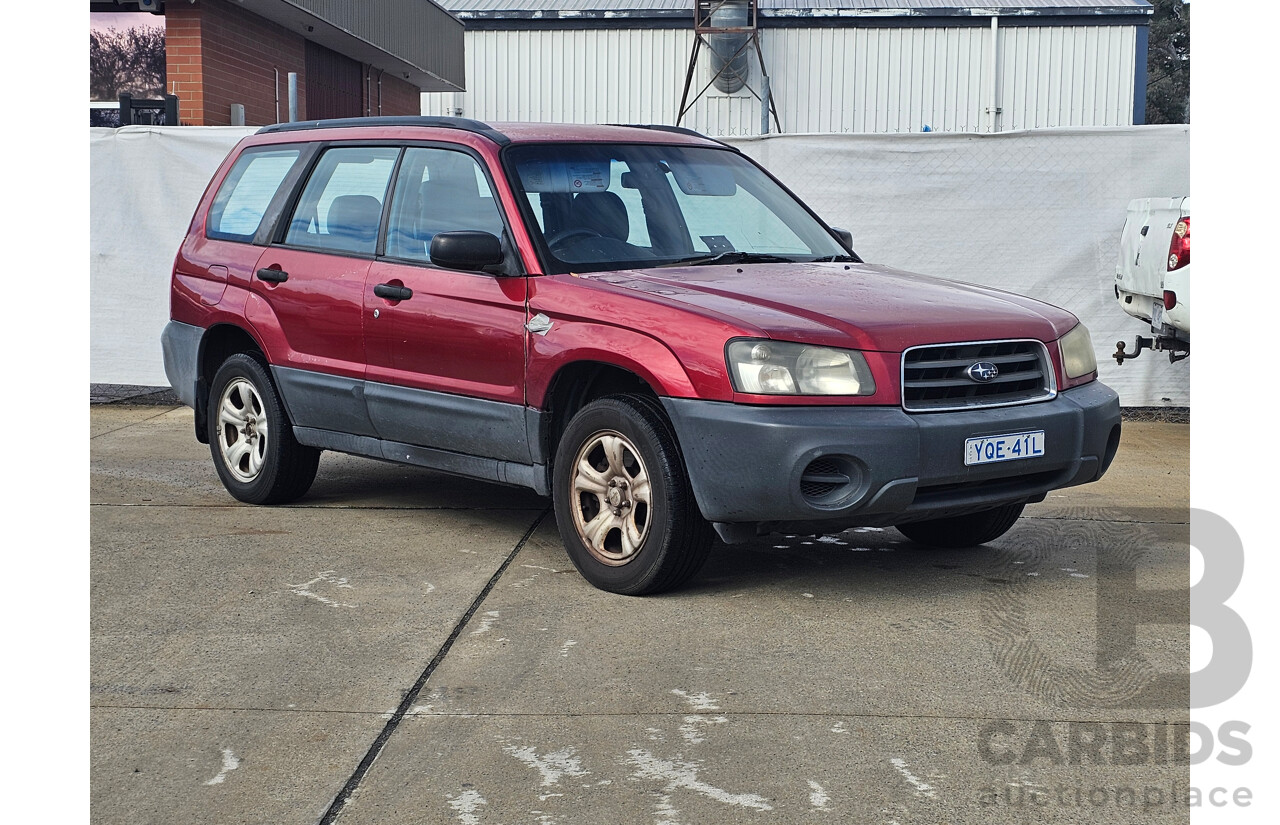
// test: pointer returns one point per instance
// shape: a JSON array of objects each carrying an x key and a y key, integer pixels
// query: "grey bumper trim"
[
  {"x": 745, "y": 463},
  {"x": 180, "y": 344}
]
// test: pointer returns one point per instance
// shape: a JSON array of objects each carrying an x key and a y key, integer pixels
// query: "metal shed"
[{"x": 833, "y": 65}]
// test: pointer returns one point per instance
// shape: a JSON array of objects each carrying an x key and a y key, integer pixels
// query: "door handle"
[
  {"x": 392, "y": 292},
  {"x": 275, "y": 276}
]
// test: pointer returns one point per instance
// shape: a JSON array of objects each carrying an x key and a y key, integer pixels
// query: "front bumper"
[{"x": 745, "y": 463}]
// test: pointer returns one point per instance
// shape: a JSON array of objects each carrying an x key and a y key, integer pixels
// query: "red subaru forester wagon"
[{"x": 640, "y": 322}]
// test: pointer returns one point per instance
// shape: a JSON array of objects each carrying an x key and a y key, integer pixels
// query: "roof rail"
[
  {"x": 460, "y": 123},
  {"x": 677, "y": 130}
]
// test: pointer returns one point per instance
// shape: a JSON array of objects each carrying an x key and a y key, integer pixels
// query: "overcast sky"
[{"x": 123, "y": 20}]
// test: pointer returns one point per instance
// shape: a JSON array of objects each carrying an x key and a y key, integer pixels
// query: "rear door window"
[
  {"x": 341, "y": 206},
  {"x": 246, "y": 193}
]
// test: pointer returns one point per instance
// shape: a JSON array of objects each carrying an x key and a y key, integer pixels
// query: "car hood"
[{"x": 864, "y": 306}]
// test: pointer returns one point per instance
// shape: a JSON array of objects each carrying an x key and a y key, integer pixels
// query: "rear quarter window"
[{"x": 246, "y": 193}]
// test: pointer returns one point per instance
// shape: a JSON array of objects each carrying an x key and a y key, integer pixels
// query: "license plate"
[
  {"x": 992, "y": 448},
  {"x": 1157, "y": 316}
]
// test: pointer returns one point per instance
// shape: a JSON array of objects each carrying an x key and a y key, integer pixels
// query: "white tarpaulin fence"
[
  {"x": 1036, "y": 212},
  {"x": 144, "y": 185}
]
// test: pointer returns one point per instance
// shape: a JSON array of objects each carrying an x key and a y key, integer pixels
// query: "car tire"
[
  {"x": 251, "y": 437},
  {"x": 964, "y": 531},
  {"x": 622, "y": 499}
]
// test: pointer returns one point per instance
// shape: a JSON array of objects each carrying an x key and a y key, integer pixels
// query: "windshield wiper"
[
  {"x": 732, "y": 258},
  {"x": 838, "y": 259}
]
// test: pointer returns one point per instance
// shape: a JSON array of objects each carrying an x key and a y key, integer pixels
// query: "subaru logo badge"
[{"x": 982, "y": 372}]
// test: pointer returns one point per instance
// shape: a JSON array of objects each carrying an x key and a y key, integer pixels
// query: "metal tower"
[{"x": 728, "y": 28}]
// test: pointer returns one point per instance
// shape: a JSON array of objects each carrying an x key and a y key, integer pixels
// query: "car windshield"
[{"x": 616, "y": 206}]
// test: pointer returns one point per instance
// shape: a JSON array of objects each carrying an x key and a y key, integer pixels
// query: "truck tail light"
[
  {"x": 1180, "y": 245},
  {"x": 1170, "y": 299}
]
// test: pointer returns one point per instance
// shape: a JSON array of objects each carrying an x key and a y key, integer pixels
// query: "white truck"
[{"x": 1153, "y": 275}]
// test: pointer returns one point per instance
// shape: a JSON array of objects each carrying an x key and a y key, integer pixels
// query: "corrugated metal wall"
[
  {"x": 574, "y": 76},
  {"x": 824, "y": 79}
]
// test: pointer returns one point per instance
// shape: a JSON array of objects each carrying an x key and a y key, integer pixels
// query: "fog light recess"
[{"x": 829, "y": 479}]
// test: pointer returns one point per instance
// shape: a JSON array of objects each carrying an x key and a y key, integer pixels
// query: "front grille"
[{"x": 934, "y": 377}]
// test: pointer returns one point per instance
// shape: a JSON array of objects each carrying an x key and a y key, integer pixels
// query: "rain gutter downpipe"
[{"x": 992, "y": 109}]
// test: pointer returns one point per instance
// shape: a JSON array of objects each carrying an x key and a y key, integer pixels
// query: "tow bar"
[{"x": 1176, "y": 348}]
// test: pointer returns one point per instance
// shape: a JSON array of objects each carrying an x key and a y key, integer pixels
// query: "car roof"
[{"x": 509, "y": 132}]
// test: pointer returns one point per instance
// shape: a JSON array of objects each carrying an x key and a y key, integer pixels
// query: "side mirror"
[
  {"x": 466, "y": 249},
  {"x": 845, "y": 236}
]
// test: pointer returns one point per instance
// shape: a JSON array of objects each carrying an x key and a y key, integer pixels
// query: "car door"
[
  {"x": 446, "y": 362},
  {"x": 312, "y": 281}
]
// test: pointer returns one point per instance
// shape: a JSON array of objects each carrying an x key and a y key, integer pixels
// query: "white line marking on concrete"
[
  {"x": 486, "y": 622},
  {"x": 922, "y": 788},
  {"x": 697, "y": 701},
  {"x": 839, "y": 727},
  {"x": 564, "y": 648},
  {"x": 807, "y": 595},
  {"x": 327, "y": 577},
  {"x": 552, "y": 766},
  {"x": 867, "y": 530},
  {"x": 467, "y": 804},
  {"x": 229, "y": 763},
  {"x": 1079, "y": 575},
  {"x": 536, "y": 567},
  {"x": 666, "y": 813},
  {"x": 830, "y": 540},
  {"x": 684, "y": 775},
  {"x": 818, "y": 797},
  {"x": 689, "y": 730},
  {"x": 431, "y": 588}
]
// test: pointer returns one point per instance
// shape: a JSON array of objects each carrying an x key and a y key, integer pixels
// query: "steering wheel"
[{"x": 557, "y": 238}]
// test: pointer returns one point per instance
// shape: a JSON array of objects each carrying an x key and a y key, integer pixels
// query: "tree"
[
  {"x": 128, "y": 61},
  {"x": 1169, "y": 63}
]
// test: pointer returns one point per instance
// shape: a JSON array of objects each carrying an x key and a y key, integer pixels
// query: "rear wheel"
[
  {"x": 251, "y": 438},
  {"x": 622, "y": 499},
  {"x": 964, "y": 531}
]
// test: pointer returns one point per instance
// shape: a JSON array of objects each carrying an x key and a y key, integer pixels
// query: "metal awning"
[{"x": 415, "y": 40}]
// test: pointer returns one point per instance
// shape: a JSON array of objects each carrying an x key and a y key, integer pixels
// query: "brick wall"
[
  {"x": 182, "y": 62},
  {"x": 399, "y": 97},
  {"x": 217, "y": 54}
]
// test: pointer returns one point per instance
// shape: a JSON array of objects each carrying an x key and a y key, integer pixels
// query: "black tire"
[
  {"x": 648, "y": 538},
  {"x": 256, "y": 466},
  {"x": 964, "y": 531}
]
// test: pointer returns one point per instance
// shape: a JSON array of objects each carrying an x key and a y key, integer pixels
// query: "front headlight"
[
  {"x": 781, "y": 368},
  {"x": 1078, "y": 357}
]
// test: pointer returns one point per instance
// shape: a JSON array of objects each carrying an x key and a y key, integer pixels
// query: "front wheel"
[
  {"x": 251, "y": 438},
  {"x": 622, "y": 499},
  {"x": 964, "y": 531}
]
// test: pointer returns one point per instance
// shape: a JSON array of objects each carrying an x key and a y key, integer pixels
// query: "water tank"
[{"x": 730, "y": 72}]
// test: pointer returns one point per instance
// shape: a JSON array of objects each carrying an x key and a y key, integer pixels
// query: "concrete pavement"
[{"x": 248, "y": 664}]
